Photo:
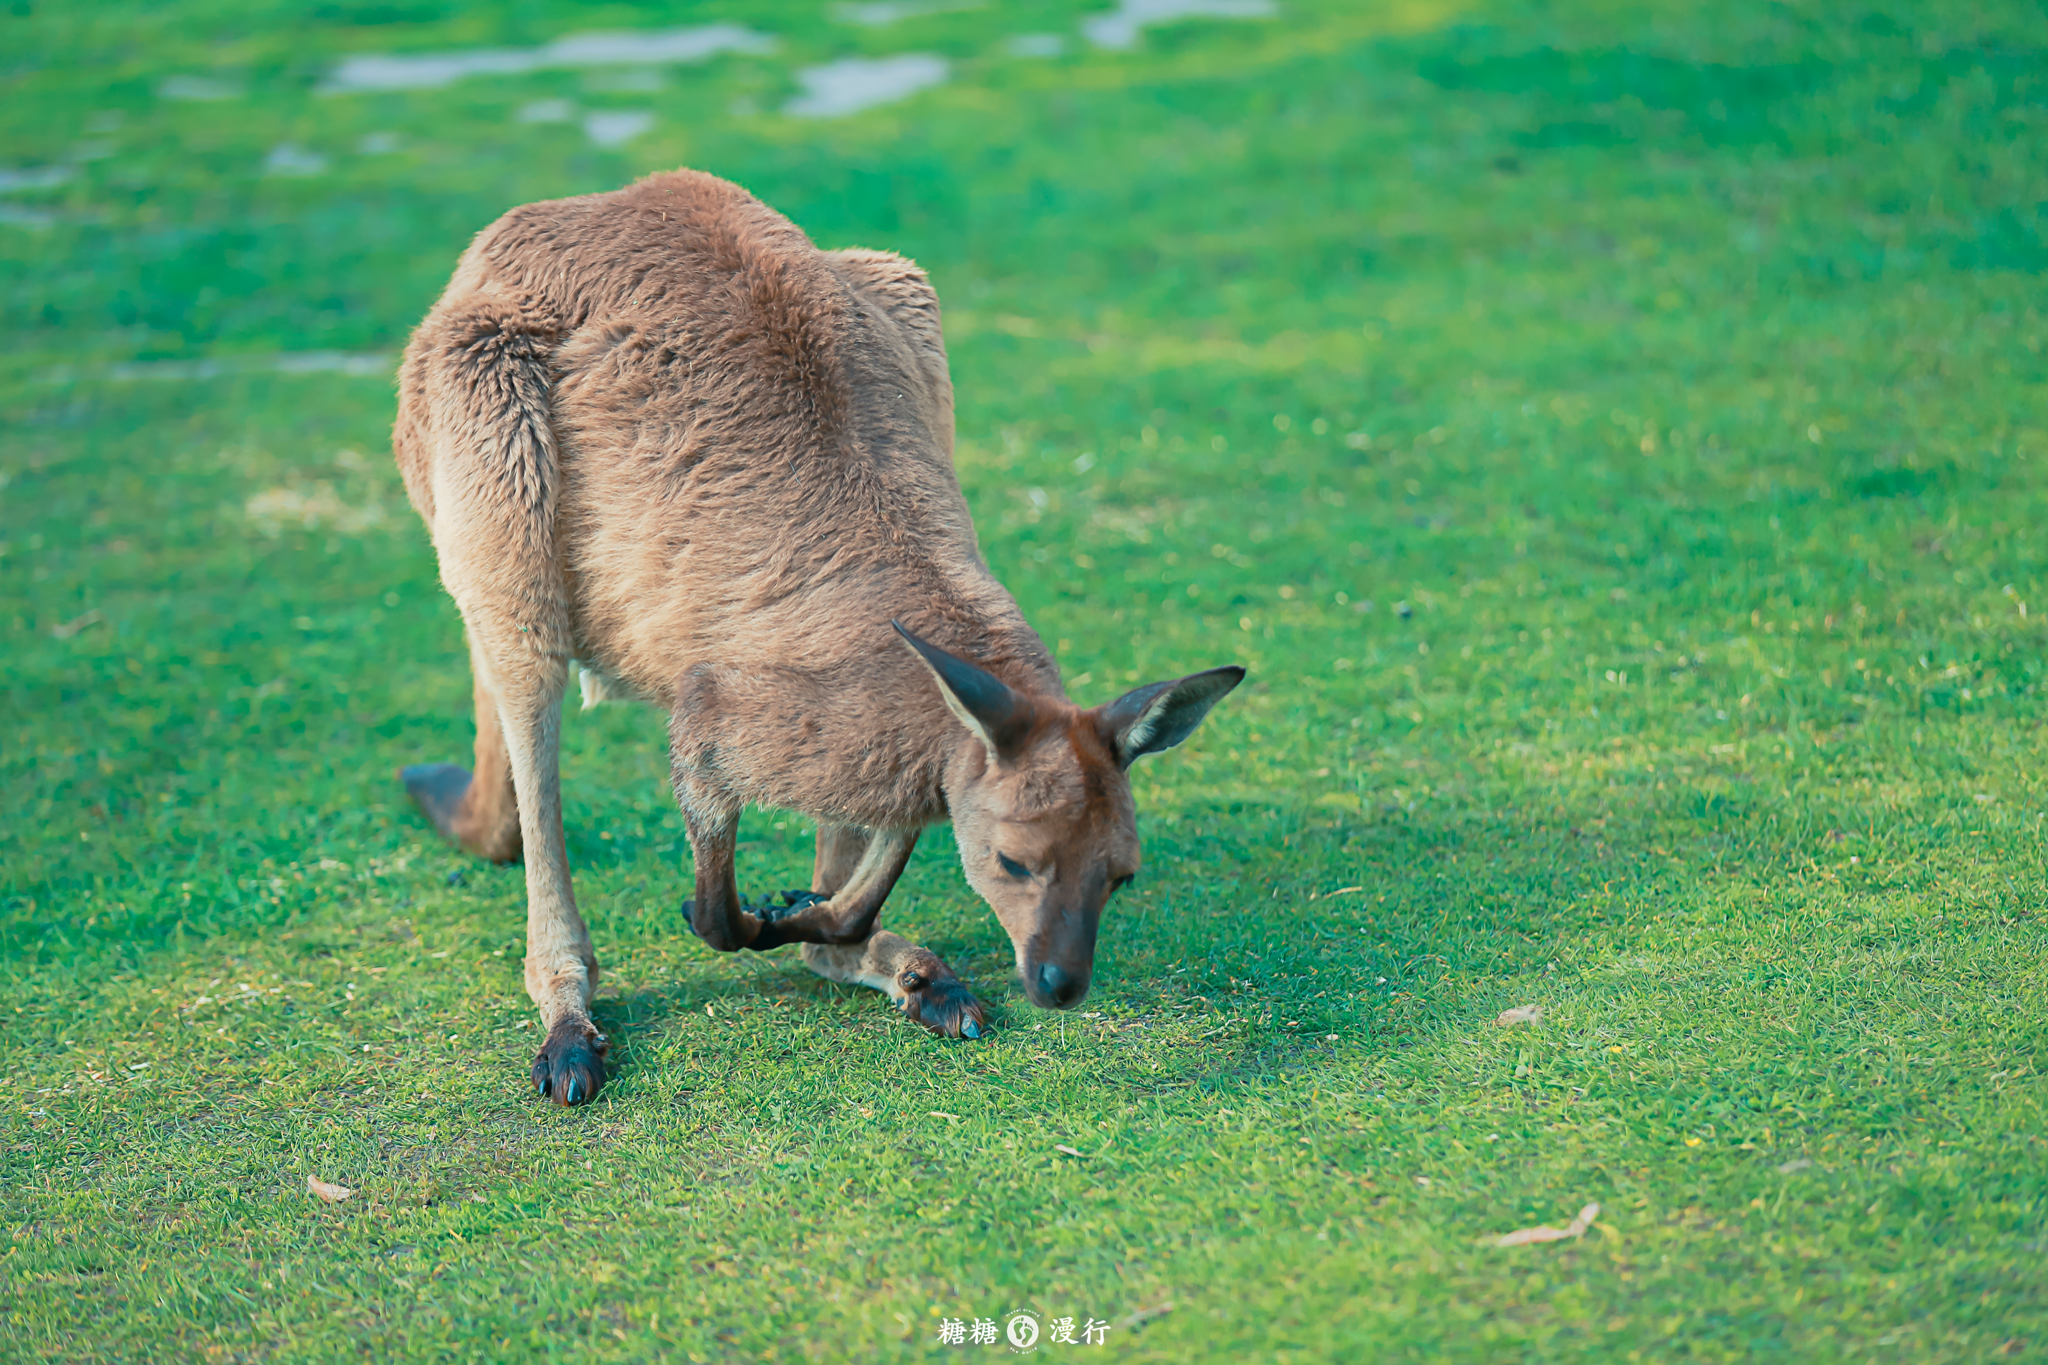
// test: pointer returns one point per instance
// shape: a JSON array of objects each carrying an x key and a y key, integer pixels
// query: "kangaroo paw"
[
  {"x": 759, "y": 914},
  {"x": 936, "y": 998},
  {"x": 769, "y": 909},
  {"x": 771, "y": 916},
  {"x": 570, "y": 1066}
]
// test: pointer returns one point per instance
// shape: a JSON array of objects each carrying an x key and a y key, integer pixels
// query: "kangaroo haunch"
[{"x": 660, "y": 432}]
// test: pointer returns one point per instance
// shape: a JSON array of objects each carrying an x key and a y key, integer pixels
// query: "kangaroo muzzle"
[{"x": 1053, "y": 987}]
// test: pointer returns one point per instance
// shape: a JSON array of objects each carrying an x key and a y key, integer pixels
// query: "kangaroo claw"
[
  {"x": 569, "y": 1068},
  {"x": 942, "y": 1004}
]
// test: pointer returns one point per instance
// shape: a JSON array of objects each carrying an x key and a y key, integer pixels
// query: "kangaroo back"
[{"x": 752, "y": 438}]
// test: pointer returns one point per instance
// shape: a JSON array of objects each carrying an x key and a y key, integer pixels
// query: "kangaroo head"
[{"x": 1041, "y": 803}]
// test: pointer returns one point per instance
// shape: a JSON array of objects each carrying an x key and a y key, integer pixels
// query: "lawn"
[{"x": 1611, "y": 436}]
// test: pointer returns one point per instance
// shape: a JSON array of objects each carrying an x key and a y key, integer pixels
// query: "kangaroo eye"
[{"x": 1013, "y": 867}]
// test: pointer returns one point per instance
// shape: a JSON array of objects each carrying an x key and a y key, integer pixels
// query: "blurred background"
[{"x": 1287, "y": 321}]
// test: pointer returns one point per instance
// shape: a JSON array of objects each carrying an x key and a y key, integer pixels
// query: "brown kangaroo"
[{"x": 658, "y": 432}]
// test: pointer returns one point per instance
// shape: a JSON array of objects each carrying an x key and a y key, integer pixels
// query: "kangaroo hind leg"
[{"x": 482, "y": 368}]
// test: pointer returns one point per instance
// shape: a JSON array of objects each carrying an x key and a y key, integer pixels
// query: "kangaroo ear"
[
  {"x": 985, "y": 704},
  {"x": 1162, "y": 714}
]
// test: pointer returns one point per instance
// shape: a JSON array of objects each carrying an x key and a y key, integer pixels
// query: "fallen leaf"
[
  {"x": 67, "y": 629},
  {"x": 1520, "y": 1014},
  {"x": 1145, "y": 1315},
  {"x": 333, "y": 1194},
  {"x": 1576, "y": 1228},
  {"x": 1062, "y": 1147}
]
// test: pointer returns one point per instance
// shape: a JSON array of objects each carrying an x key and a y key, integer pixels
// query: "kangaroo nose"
[{"x": 1059, "y": 986}]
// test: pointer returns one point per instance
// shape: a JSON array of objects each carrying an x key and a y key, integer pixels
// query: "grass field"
[{"x": 1613, "y": 438}]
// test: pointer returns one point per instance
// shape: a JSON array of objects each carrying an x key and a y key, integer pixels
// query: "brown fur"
[{"x": 659, "y": 432}]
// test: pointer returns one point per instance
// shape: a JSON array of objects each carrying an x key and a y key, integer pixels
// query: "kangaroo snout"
[{"x": 1053, "y": 987}]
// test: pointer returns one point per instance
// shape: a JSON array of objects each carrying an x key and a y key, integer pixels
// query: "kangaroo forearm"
[
  {"x": 920, "y": 983},
  {"x": 849, "y": 915},
  {"x": 715, "y": 911}
]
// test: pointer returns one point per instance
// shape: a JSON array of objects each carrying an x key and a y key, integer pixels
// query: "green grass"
[{"x": 1613, "y": 440}]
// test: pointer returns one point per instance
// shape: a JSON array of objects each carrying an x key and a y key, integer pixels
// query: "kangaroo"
[{"x": 658, "y": 432}]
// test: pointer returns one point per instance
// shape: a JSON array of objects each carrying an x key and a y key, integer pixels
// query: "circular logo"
[{"x": 1022, "y": 1330}]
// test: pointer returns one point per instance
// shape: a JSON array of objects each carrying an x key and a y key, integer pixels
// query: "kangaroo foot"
[
  {"x": 445, "y": 794},
  {"x": 927, "y": 991},
  {"x": 437, "y": 789},
  {"x": 570, "y": 1066}
]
